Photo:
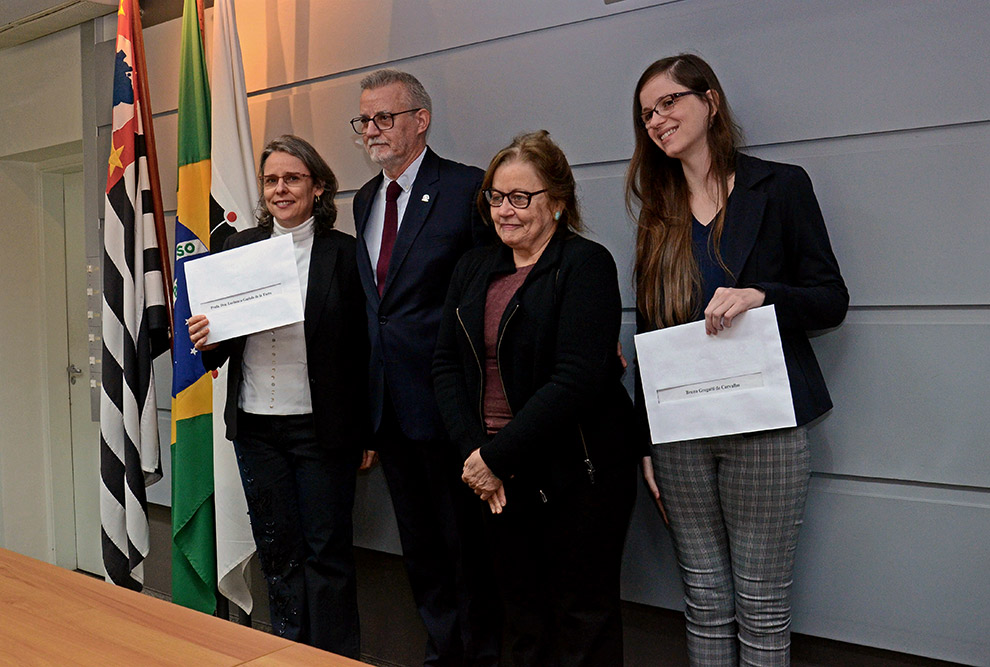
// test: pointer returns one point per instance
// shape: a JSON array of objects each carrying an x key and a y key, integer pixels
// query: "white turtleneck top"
[{"x": 275, "y": 376}]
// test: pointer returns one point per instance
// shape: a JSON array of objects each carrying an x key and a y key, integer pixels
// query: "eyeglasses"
[
  {"x": 517, "y": 198},
  {"x": 383, "y": 120},
  {"x": 291, "y": 180},
  {"x": 665, "y": 105}
]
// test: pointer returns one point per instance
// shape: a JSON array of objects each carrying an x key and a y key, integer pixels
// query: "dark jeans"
[
  {"x": 440, "y": 529},
  {"x": 300, "y": 496},
  {"x": 558, "y": 562}
]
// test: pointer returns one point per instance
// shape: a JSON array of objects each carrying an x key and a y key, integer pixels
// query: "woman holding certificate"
[
  {"x": 528, "y": 383},
  {"x": 720, "y": 233},
  {"x": 297, "y": 409}
]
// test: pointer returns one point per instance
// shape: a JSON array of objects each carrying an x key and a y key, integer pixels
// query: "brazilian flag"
[{"x": 194, "y": 578}]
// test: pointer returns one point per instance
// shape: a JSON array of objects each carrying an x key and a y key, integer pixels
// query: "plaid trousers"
[{"x": 735, "y": 506}]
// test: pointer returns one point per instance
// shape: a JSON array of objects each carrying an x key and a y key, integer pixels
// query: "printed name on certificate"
[
  {"x": 243, "y": 297},
  {"x": 710, "y": 388}
]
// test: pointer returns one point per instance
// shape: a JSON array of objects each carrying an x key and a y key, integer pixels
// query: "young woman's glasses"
[{"x": 665, "y": 105}]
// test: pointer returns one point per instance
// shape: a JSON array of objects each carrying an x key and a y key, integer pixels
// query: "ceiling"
[{"x": 24, "y": 20}]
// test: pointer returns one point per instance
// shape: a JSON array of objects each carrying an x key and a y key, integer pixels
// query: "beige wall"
[
  {"x": 41, "y": 105},
  {"x": 23, "y": 495},
  {"x": 41, "y": 112}
]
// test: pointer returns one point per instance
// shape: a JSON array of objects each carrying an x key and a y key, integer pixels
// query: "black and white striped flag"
[{"x": 135, "y": 318}]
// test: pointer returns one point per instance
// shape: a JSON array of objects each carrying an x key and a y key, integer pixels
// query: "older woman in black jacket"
[{"x": 528, "y": 383}]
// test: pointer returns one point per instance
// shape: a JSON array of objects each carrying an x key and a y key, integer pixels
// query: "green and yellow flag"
[{"x": 194, "y": 569}]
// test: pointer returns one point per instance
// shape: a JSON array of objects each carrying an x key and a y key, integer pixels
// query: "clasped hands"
[{"x": 483, "y": 481}]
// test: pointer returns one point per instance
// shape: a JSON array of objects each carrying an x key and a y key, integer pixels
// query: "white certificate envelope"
[
  {"x": 248, "y": 289},
  {"x": 700, "y": 386}
]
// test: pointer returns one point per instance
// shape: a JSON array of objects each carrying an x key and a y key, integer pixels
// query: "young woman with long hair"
[{"x": 719, "y": 233}]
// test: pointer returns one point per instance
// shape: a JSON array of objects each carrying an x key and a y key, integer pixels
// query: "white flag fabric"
[
  {"x": 135, "y": 326},
  {"x": 233, "y": 197}
]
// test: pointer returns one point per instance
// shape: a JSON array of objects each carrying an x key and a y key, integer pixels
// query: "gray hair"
[{"x": 418, "y": 96}]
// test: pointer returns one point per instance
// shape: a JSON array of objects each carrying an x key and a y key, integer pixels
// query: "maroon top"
[{"x": 500, "y": 292}]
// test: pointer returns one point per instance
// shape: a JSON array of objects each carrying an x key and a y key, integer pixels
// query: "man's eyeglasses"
[
  {"x": 291, "y": 180},
  {"x": 517, "y": 198},
  {"x": 383, "y": 120},
  {"x": 665, "y": 105}
]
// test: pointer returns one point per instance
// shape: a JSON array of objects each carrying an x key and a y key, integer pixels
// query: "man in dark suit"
[{"x": 414, "y": 221}]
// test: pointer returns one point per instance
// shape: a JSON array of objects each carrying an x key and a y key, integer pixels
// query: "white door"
[{"x": 83, "y": 297}]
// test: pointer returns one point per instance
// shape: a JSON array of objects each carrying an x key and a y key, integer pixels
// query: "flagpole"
[
  {"x": 201, "y": 14},
  {"x": 141, "y": 71}
]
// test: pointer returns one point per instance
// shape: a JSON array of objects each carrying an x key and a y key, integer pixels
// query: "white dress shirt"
[
  {"x": 274, "y": 370},
  {"x": 376, "y": 218}
]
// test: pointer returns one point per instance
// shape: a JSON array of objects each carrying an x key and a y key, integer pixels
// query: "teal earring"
[{"x": 556, "y": 215}]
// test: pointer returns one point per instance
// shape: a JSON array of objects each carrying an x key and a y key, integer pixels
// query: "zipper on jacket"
[
  {"x": 587, "y": 458},
  {"x": 481, "y": 370},
  {"x": 498, "y": 364},
  {"x": 498, "y": 357}
]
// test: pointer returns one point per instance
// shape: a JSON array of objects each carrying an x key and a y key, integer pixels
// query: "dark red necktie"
[{"x": 388, "y": 233}]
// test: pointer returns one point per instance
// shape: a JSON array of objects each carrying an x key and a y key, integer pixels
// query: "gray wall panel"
[
  {"x": 292, "y": 40},
  {"x": 910, "y": 399},
  {"x": 649, "y": 566},
  {"x": 374, "y": 518},
  {"x": 101, "y": 89},
  {"x": 907, "y": 212},
  {"x": 861, "y": 94},
  {"x": 160, "y": 493},
  {"x": 163, "y": 381},
  {"x": 881, "y": 233},
  {"x": 600, "y": 192},
  {"x": 897, "y": 566},
  {"x": 479, "y": 86}
]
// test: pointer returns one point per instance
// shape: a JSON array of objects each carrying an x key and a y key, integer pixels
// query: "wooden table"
[{"x": 49, "y": 615}]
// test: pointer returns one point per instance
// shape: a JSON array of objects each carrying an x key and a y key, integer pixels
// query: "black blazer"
[
  {"x": 440, "y": 223},
  {"x": 775, "y": 239},
  {"x": 336, "y": 343},
  {"x": 557, "y": 362}
]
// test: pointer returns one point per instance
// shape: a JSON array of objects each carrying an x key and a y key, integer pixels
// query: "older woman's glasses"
[
  {"x": 291, "y": 180},
  {"x": 382, "y": 120},
  {"x": 665, "y": 106},
  {"x": 517, "y": 198}
]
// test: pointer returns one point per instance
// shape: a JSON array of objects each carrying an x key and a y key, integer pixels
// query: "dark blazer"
[
  {"x": 775, "y": 239},
  {"x": 336, "y": 343},
  {"x": 557, "y": 362},
  {"x": 440, "y": 223}
]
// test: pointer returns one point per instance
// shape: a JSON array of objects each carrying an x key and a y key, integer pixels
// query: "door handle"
[{"x": 74, "y": 372}]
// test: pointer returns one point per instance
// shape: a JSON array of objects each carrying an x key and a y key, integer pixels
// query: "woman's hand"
[
  {"x": 368, "y": 459},
  {"x": 496, "y": 500},
  {"x": 727, "y": 303},
  {"x": 480, "y": 477},
  {"x": 199, "y": 329},
  {"x": 651, "y": 484}
]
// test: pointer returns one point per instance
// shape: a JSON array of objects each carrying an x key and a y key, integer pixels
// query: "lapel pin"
[{"x": 426, "y": 198}]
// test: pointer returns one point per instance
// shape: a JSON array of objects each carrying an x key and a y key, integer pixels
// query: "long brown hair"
[{"x": 668, "y": 281}]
